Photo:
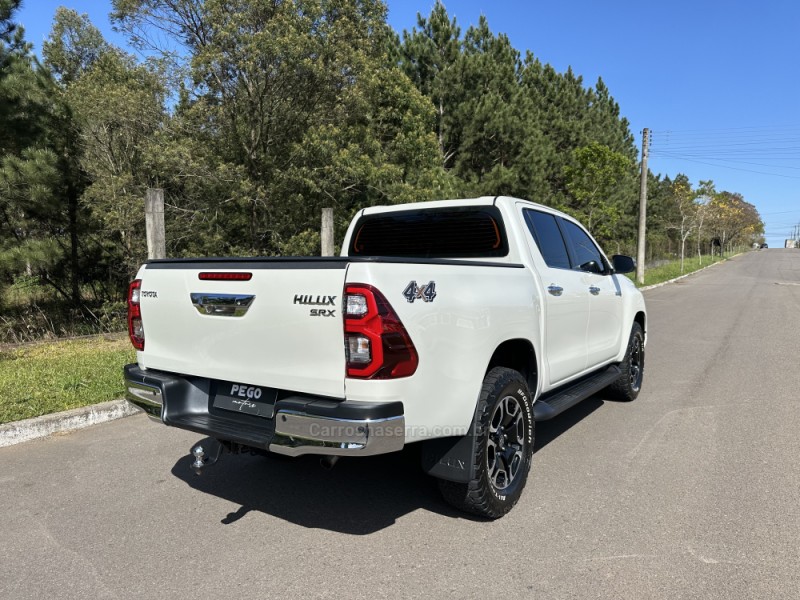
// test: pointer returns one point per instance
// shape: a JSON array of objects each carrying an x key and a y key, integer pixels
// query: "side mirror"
[
  {"x": 592, "y": 267},
  {"x": 623, "y": 264}
]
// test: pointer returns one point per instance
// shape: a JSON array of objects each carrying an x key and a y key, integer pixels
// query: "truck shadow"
[
  {"x": 547, "y": 431},
  {"x": 358, "y": 497}
]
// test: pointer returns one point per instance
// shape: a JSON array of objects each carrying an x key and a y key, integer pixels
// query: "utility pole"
[
  {"x": 642, "y": 208},
  {"x": 154, "y": 223}
]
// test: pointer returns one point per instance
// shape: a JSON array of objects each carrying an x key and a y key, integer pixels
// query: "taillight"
[
  {"x": 135, "y": 328},
  {"x": 376, "y": 342}
]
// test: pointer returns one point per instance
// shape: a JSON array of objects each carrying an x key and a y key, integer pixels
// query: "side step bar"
[{"x": 554, "y": 403}]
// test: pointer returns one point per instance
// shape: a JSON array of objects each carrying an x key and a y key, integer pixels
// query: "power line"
[
  {"x": 679, "y": 157},
  {"x": 783, "y": 212},
  {"x": 719, "y": 130},
  {"x": 738, "y": 144},
  {"x": 732, "y": 160},
  {"x": 779, "y": 137},
  {"x": 734, "y": 148}
]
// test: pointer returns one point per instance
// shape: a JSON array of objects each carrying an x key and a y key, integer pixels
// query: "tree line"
[{"x": 252, "y": 115}]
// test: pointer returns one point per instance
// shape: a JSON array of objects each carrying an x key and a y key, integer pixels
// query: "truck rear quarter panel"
[{"x": 475, "y": 309}]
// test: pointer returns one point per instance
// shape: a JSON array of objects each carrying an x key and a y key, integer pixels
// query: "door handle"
[
  {"x": 554, "y": 289},
  {"x": 594, "y": 290},
  {"x": 222, "y": 305}
]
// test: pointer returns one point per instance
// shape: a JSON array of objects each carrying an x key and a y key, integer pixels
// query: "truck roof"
[{"x": 480, "y": 201}]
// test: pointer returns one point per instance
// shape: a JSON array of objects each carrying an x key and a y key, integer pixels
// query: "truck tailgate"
[{"x": 282, "y": 328}]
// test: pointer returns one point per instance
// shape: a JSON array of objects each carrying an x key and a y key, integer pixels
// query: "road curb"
[
  {"x": 663, "y": 283},
  {"x": 17, "y": 432}
]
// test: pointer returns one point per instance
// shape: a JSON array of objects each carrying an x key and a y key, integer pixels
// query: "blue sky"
[{"x": 715, "y": 81}]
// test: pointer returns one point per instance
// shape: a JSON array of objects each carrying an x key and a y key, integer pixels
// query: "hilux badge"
[
  {"x": 317, "y": 300},
  {"x": 426, "y": 293}
]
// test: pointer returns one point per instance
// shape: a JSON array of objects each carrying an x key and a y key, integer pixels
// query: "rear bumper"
[
  {"x": 301, "y": 424},
  {"x": 147, "y": 397},
  {"x": 298, "y": 433}
]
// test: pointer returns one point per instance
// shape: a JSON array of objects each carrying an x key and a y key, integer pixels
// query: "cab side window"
[
  {"x": 586, "y": 255},
  {"x": 547, "y": 234}
]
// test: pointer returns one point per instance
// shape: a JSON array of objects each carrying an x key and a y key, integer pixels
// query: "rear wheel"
[
  {"x": 505, "y": 431},
  {"x": 629, "y": 384}
]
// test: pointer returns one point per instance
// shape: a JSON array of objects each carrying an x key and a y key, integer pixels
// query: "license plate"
[{"x": 243, "y": 398}]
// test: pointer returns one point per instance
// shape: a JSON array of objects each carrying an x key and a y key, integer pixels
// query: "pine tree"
[
  {"x": 430, "y": 56},
  {"x": 33, "y": 220}
]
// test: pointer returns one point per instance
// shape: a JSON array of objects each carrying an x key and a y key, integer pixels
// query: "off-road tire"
[
  {"x": 503, "y": 452},
  {"x": 629, "y": 384}
]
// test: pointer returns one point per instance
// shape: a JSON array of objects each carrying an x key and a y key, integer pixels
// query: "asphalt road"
[{"x": 691, "y": 491}]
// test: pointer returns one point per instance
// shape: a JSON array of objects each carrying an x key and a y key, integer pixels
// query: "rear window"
[
  {"x": 548, "y": 238},
  {"x": 468, "y": 232}
]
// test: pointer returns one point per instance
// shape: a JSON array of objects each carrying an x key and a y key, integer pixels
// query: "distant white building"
[{"x": 791, "y": 244}]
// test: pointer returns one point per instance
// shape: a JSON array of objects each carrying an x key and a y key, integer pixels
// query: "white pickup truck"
[{"x": 457, "y": 324}]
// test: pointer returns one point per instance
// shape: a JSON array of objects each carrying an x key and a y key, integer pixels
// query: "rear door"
[
  {"x": 281, "y": 327},
  {"x": 566, "y": 298}
]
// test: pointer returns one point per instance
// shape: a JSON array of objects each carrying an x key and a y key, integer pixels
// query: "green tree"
[
  {"x": 593, "y": 181},
  {"x": 571, "y": 116},
  {"x": 23, "y": 86},
  {"x": 429, "y": 56},
  {"x": 37, "y": 232},
  {"x": 684, "y": 199},
  {"x": 485, "y": 124},
  {"x": 733, "y": 220},
  {"x": 705, "y": 192},
  {"x": 292, "y": 107},
  {"x": 118, "y": 111},
  {"x": 379, "y": 151},
  {"x": 73, "y": 46},
  {"x": 493, "y": 117},
  {"x": 108, "y": 107}
]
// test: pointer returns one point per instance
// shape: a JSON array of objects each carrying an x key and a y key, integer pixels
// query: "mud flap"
[{"x": 450, "y": 458}]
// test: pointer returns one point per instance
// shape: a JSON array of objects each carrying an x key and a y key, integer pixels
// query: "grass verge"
[
  {"x": 54, "y": 376},
  {"x": 672, "y": 269}
]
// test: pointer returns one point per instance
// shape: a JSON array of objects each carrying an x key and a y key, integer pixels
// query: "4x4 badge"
[{"x": 426, "y": 293}]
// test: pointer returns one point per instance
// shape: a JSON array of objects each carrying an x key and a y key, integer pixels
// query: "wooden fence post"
[
  {"x": 326, "y": 235},
  {"x": 154, "y": 223}
]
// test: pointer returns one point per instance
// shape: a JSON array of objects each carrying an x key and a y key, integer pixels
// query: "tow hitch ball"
[{"x": 201, "y": 460}]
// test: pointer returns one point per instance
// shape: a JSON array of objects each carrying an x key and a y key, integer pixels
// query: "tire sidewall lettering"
[{"x": 523, "y": 398}]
